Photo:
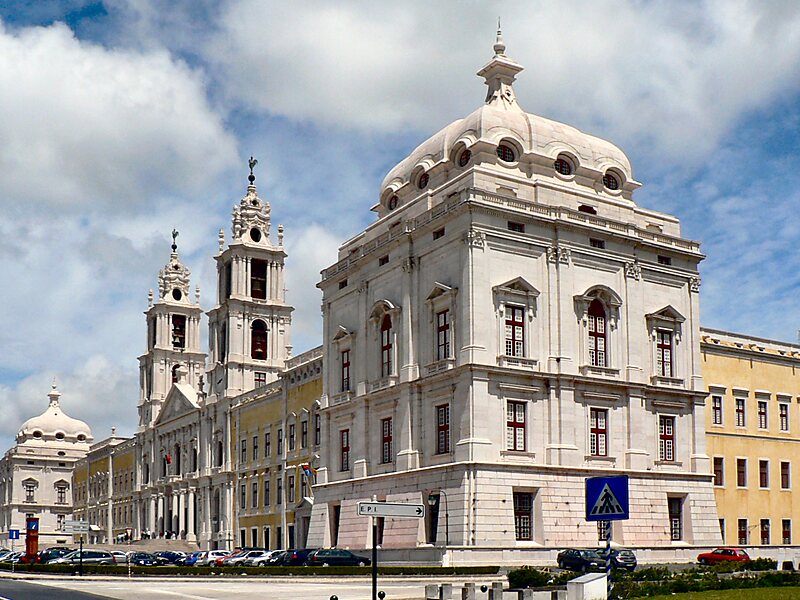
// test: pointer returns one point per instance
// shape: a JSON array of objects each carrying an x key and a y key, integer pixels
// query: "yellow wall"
[{"x": 754, "y": 370}]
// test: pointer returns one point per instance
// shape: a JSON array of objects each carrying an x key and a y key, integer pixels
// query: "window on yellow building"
[
  {"x": 742, "y": 532},
  {"x": 786, "y": 531},
  {"x": 741, "y": 472},
  {"x": 740, "y": 414},
  {"x": 764, "y": 532},
  {"x": 762, "y": 414},
  {"x": 719, "y": 470},
  {"x": 716, "y": 410},
  {"x": 763, "y": 473},
  {"x": 786, "y": 479},
  {"x": 784, "y": 416}
]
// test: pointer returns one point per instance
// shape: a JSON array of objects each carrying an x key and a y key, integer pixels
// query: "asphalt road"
[{"x": 11, "y": 589}]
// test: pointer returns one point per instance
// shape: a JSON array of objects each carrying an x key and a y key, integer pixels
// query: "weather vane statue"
[
  {"x": 174, "y": 237},
  {"x": 252, "y": 162}
]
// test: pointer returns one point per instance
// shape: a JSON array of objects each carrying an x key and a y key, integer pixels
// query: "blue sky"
[{"x": 125, "y": 118}]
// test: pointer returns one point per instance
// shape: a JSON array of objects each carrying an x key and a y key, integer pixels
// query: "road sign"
[
  {"x": 607, "y": 498},
  {"x": 13, "y": 534},
  {"x": 76, "y": 526},
  {"x": 391, "y": 509}
]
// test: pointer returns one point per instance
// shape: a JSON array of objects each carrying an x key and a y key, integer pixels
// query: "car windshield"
[{"x": 589, "y": 554}]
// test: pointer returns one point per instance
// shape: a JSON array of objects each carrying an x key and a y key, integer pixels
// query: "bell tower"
[
  {"x": 173, "y": 338},
  {"x": 249, "y": 328}
]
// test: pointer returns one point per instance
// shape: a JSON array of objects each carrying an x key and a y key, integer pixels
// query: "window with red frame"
[
  {"x": 443, "y": 335},
  {"x": 386, "y": 346},
  {"x": 742, "y": 532},
  {"x": 666, "y": 439},
  {"x": 762, "y": 414},
  {"x": 515, "y": 331},
  {"x": 597, "y": 334},
  {"x": 258, "y": 339},
  {"x": 344, "y": 446},
  {"x": 386, "y": 440},
  {"x": 515, "y": 426},
  {"x": 598, "y": 432},
  {"x": 740, "y": 414},
  {"x": 443, "y": 429},
  {"x": 764, "y": 526},
  {"x": 664, "y": 352},
  {"x": 345, "y": 380}
]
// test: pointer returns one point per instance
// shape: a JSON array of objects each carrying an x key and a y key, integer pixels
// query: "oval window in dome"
[
  {"x": 255, "y": 234},
  {"x": 463, "y": 158},
  {"x": 81, "y": 437},
  {"x": 176, "y": 294},
  {"x": 59, "y": 436},
  {"x": 423, "y": 180},
  {"x": 393, "y": 202},
  {"x": 563, "y": 165},
  {"x": 610, "y": 181},
  {"x": 62, "y": 453},
  {"x": 37, "y": 434},
  {"x": 506, "y": 153}
]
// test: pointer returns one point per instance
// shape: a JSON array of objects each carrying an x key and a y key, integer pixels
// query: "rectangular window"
[
  {"x": 599, "y": 244},
  {"x": 343, "y": 284},
  {"x": 439, "y": 233},
  {"x": 386, "y": 346},
  {"x": 675, "y": 506},
  {"x": 523, "y": 515},
  {"x": 244, "y": 451},
  {"x": 664, "y": 260},
  {"x": 786, "y": 532},
  {"x": 598, "y": 432},
  {"x": 280, "y": 441},
  {"x": 515, "y": 426},
  {"x": 784, "y": 416},
  {"x": 666, "y": 438},
  {"x": 742, "y": 532},
  {"x": 267, "y": 444},
  {"x": 266, "y": 492},
  {"x": 292, "y": 428},
  {"x": 597, "y": 335},
  {"x": 344, "y": 449},
  {"x": 764, "y": 527},
  {"x": 258, "y": 279},
  {"x": 515, "y": 331},
  {"x": 786, "y": 478},
  {"x": 383, "y": 260},
  {"x": 304, "y": 433},
  {"x": 255, "y": 447},
  {"x": 228, "y": 279},
  {"x": 62, "y": 495},
  {"x": 719, "y": 470},
  {"x": 762, "y": 414},
  {"x": 517, "y": 227},
  {"x": 386, "y": 440},
  {"x": 178, "y": 331},
  {"x": 664, "y": 352},
  {"x": 261, "y": 378},
  {"x": 722, "y": 529},
  {"x": 443, "y": 429},
  {"x": 740, "y": 414},
  {"x": 741, "y": 472},
  {"x": 254, "y": 495},
  {"x": 716, "y": 410},
  {"x": 317, "y": 429},
  {"x": 345, "y": 379},
  {"x": 243, "y": 537},
  {"x": 279, "y": 490},
  {"x": 242, "y": 496},
  {"x": 763, "y": 473},
  {"x": 443, "y": 335},
  {"x": 290, "y": 488}
]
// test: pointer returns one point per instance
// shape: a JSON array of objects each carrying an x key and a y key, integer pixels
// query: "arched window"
[
  {"x": 597, "y": 334},
  {"x": 386, "y": 346},
  {"x": 258, "y": 345}
]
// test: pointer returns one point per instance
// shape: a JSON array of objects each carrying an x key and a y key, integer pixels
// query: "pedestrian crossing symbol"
[{"x": 607, "y": 498}]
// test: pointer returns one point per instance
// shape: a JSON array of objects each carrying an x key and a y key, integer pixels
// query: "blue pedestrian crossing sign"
[
  {"x": 607, "y": 498},
  {"x": 13, "y": 534}
]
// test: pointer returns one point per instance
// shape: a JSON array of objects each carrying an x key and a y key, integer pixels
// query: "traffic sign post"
[
  {"x": 79, "y": 527},
  {"x": 607, "y": 500},
  {"x": 13, "y": 534},
  {"x": 395, "y": 510}
]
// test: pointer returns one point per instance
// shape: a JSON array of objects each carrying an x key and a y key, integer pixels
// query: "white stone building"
[
  {"x": 36, "y": 475},
  {"x": 511, "y": 324}
]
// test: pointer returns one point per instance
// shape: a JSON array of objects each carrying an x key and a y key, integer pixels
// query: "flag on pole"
[
  {"x": 308, "y": 470},
  {"x": 169, "y": 459}
]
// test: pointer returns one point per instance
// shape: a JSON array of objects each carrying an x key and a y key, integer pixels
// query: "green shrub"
[
  {"x": 528, "y": 577},
  {"x": 760, "y": 564}
]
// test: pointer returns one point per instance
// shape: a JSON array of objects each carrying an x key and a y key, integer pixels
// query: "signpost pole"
[
  {"x": 12, "y": 552},
  {"x": 80, "y": 556},
  {"x": 374, "y": 558},
  {"x": 608, "y": 559}
]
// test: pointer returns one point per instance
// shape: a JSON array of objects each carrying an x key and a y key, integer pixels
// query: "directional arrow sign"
[
  {"x": 391, "y": 509},
  {"x": 607, "y": 498}
]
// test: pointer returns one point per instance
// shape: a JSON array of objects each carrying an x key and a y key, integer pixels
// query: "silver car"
[{"x": 90, "y": 557}]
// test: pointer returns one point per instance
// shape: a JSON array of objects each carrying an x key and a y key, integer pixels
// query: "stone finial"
[
  {"x": 149, "y": 298},
  {"x": 221, "y": 239},
  {"x": 113, "y": 432},
  {"x": 197, "y": 294},
  {"x": 500, "y": 74},
  {"x": 280, "y": 235},
  {"x": 499, "y": 46},
  {"x": 54, "y": 394}
]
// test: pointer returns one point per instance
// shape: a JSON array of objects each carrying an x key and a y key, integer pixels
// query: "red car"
[{"x": 723, "y": 555}]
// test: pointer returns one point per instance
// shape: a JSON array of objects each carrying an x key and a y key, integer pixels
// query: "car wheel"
[
  {"x": 561, "y": 564},
  {"x": 703, "y": 561}
]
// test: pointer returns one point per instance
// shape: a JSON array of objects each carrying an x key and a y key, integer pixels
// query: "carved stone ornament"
[
  {"x": 174, "y": 275},
  {"x": 558, "y": 254},
  {"x": 252, "y": 213},
  {"x": 475, "y": 239},
  {"x": 409, "y": 264},
  {"x": 633, "y": 270},
  {"x": 694, "y": 284}
]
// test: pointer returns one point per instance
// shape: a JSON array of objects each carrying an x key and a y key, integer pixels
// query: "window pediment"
[
  {"x": 601, "y": 292},
  {"x": 518, "y": 287},
  {"x": 441, "y": 291},
  {"x": 381, "y": 308},
  {"x": 667, "y": 315},
  {"x": 343, "y": 336}
]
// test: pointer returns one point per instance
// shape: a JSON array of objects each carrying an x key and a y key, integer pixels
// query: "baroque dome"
[
  {"x": 536, "y": 141},
  {"x": 54, "y": 424}
]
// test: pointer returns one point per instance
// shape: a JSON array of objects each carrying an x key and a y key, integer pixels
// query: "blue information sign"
[
  {"x": 607, "y": 498},
  {"x": 13, "y": 534}
]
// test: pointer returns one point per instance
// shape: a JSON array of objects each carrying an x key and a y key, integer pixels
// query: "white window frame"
[
  {"x": 667, "y": 320},
  {"x": 441, "y": 298},
  {"x": 612, "y": 303},
  {"x": 517, "y": 293}
]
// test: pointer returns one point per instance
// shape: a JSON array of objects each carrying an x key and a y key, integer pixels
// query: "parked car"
[
  {"x": 50, "y": 553},
  {"x": 295, "y": 556},
  {"x": 13, "y": 557},
  {"x": 334, "y": 557},
  {"x": 244, "y": 558},
  {"x": 580, "y": 560},
  {"x": 225, "y": 561},
  {"x": 90, "y": 557},
  {"x": 144, "y": 559},
  {"x": 210, "y": 558},
  {"x": 621, "y": 559},
  {"x": 170, "y": 556},
  {"x": 120, "y": 556},
  {"x": 721, "y": 555},
  {"x": 277, "y": 557},
  {"x": 263, "y": 560},
  {"x": 189, "y": 560}
]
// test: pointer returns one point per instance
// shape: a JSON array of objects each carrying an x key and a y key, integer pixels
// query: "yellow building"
[
  {"x": 275, "y": 432},
  {"x": 753, "y": 427},
  {"x": 104, "y": 488}
]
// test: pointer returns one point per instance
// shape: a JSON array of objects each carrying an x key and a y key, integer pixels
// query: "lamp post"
[{"x": 432, "y": 500}]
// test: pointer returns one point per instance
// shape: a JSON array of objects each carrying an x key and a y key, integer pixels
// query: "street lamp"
[{"x": 433, "y": 499}]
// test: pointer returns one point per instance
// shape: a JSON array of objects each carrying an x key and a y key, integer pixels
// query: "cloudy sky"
[{"x": 122, "y": 119}]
